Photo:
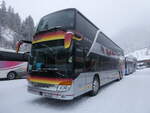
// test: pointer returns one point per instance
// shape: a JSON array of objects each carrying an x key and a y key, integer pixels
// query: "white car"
[{"x": 13, "y": 69}]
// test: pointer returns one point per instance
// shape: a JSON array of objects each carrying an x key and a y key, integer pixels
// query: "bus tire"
[
  {"x": 95, "y": 86},
  {"x": 11, "y": 75}
]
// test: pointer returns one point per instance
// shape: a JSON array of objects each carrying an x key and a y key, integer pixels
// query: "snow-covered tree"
[{"x": 11, "y": 22}]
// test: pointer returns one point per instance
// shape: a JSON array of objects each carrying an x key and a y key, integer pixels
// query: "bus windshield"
[
  {"x": 50, "y": 56},
  {"x": 63, "y": 19}
]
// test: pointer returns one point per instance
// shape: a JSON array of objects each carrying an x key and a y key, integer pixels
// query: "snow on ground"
[{"x": 130, "y": 95}]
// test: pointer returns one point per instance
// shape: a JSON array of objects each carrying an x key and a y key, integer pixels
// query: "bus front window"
[
  {"x": 63, "y": 19},
  {"x": 51, "y": 56}
]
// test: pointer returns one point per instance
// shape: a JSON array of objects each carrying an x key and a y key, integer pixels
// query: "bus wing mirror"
[
  {"x": 19, "y": 43},
  {"x": 67, "y": 39}
]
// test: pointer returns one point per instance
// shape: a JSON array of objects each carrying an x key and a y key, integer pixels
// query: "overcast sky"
[{"x": 110, "y": 16}]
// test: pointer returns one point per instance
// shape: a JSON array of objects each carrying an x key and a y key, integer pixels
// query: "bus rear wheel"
[
  {"x": 95, "y": 86},
  {"x": 11, "y": 75}
]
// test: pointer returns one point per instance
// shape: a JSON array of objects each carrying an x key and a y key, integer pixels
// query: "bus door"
[{"x": 79, "y": 70}]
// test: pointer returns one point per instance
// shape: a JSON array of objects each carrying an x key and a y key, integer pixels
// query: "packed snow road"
[{"x": 130, "y": 95}]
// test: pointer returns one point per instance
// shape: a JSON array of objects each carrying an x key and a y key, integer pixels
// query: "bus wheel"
[
  {"x": 11, "y": 75},
  {"x": 95, "y": 86}
]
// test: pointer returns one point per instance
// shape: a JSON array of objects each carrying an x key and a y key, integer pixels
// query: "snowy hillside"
[
  {"x": 8, "y": 34},
  {"x": 13, "y": 28},
  {"x": 8, "y": 40},
  {"x": 7, "y": 37},
  {"x": 142, "y": 54},
  {"x": 133, "y": 38}
]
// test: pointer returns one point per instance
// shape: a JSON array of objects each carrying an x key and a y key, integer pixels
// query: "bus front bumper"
[{"x": 51, "y": 94}]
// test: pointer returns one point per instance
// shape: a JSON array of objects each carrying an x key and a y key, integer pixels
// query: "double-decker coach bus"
[
  {"x": 70, "y": 56},
  {"x": 12, "y": 65},
  {"x": 130, "y": 65}
]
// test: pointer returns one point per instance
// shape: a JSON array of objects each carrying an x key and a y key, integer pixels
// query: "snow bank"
[{"x": 8, "y": 34}]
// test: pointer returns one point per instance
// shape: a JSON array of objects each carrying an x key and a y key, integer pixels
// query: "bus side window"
[
  {"x": 88, "y": 63},
  {"x": 100, "y": 63},
  {"x": 91, "y": 63},
  {"x": 106, "y": 63}
]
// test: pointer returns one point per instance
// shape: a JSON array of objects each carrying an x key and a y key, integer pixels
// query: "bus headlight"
[{"x": 63, "y": 87}]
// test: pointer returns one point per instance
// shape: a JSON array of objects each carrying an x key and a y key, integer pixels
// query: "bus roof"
[
  {"x": 11, "y": 56},
  {"x": 112, "y": 41},
  {"x": 74, "y": 9}
]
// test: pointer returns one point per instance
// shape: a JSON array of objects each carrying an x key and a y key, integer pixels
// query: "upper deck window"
[{"x": 63, "y": 19}]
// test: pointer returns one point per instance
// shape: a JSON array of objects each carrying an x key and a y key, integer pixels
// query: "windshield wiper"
[
  {"x": 56, "y": 70},
  {"x": 55, "y": 28},
  {"x": 50, "y": 49}
]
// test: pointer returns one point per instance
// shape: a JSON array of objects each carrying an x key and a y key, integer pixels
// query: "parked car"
[{"x": 13, "y": 69}]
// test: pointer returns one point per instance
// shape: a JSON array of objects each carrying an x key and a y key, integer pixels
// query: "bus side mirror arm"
[{"x": 20, "y": 42}]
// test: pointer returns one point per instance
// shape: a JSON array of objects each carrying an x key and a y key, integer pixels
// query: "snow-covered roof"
[
  {"x": 10, "y": 50},
  {"x": 142, "y": 54},
  {"x": 7, "y": 50}
]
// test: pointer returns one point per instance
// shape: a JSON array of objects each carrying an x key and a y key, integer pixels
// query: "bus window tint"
[
  {"x": 82, "y": 24},
  {"x": 79, "y": 59},
  {"x": 91, "y": 63},
  {"x": 57, "y": 19}
]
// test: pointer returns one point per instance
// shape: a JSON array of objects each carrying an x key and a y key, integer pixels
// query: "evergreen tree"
[
  {"x": 11, "y": 21},
  {"x": 3, "y": 14},
  {"x": 27, "y": 28}
]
